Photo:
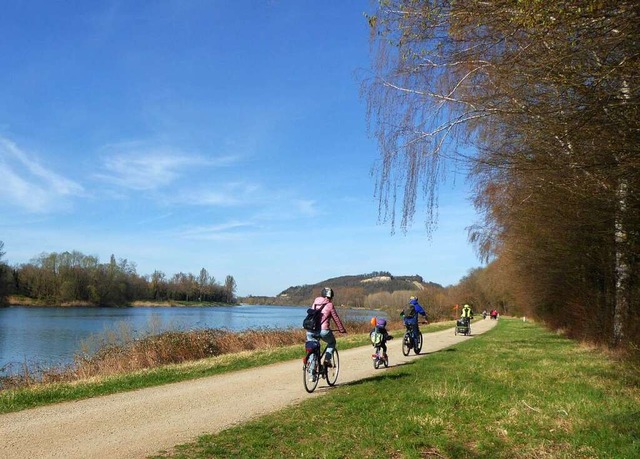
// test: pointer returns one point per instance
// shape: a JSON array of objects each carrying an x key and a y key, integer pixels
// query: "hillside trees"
[{"x": 547, "y": 95}]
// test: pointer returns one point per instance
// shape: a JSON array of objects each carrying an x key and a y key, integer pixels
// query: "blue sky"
[{"x": 226, "y": 135}]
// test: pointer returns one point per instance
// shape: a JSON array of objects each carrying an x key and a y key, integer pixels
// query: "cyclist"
[
  {"x": 380, "y": 326},
  {"x": 410, "y": 315},
  {"x": 328, "y": 312},
  {"x": 467, "y": 314}
]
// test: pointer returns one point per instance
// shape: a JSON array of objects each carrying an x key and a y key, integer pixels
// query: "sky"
[{"x": 190, "y": 134}]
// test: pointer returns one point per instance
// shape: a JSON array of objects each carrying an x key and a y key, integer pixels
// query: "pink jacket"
[{"x": 328, "y": 313}]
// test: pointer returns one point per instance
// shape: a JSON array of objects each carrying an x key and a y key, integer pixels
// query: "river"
[{"x": 50, "y": 336}]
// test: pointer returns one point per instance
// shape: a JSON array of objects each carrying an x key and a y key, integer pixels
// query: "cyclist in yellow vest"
[{"x": 467, "y": 313}]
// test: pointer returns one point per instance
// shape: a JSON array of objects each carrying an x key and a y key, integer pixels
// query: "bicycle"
[
  {"x": 313, "y": 369},
  {"x": 379, "y": 357},
  {"x": 407, "y": 341}
]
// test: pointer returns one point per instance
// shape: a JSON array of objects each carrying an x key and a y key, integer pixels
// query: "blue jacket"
[{"x": 419, "y": 310}]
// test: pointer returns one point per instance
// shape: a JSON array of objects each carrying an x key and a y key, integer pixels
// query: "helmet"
[
  {"x": 381, "y": 323},
  {"x": 413, "y": 298},
  {"x": 465, "y": 305},
  {"x": 327, "y": 292}
]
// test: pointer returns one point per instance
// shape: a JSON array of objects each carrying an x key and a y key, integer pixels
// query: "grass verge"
[
  {"x": 40, "y": 394},
  {"x": 516, "y": 392}
]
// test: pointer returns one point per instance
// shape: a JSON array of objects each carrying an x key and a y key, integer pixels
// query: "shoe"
[{"x": 327, "y": 363}]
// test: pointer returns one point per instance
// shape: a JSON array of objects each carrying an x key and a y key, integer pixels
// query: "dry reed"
[{"x": 119, "y": 352}]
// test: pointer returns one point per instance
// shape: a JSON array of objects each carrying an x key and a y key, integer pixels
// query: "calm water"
[{"x": 51, "y": 336}]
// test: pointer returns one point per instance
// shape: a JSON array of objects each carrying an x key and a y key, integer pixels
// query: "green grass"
[
  {"x": 43, "y": 394},
  {"x": 516, "y": 392}
]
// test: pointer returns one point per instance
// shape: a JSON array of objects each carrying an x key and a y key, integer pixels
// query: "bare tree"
[{"x": 547, "y": 95}]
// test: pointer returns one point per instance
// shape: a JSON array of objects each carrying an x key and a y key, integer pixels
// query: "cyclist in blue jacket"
[{"x": 410, "y": 315}]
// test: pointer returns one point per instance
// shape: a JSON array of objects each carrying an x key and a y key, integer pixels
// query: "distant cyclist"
[
  {"x": 410, "y": 315},
  {"x": 467, "y": 314},
  {"x": 328, "y": 313}
]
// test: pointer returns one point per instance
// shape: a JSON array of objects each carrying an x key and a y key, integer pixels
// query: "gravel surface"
[{"x": 144, "y": 422}]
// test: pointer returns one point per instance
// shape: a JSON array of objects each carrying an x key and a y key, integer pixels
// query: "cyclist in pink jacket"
[{"x": 328, "y": 312}]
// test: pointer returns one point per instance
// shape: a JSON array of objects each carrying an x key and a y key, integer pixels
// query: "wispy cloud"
[
  {"x": 138, "y": 167},
  {"x": 306, "y": 207},
  {"x": 233, "y": 230},
  {"x": 221, "y": 195},
  {"x": 31, "y": 186}
]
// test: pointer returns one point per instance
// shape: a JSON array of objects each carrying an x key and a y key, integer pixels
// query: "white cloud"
[
  {"x": 225, "y": 231},
  {"x": 306, "y": 207},
  {"x": 28, "y": 184},
  {"x": 222, "y": 194},
  {"x": 139, "y": 167}
]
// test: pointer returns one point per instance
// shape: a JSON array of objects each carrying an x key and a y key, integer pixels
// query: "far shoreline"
[{"x": 14, "y": 300}]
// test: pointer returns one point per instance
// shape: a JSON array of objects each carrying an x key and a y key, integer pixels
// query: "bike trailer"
[{"x": 461, "y": 326}]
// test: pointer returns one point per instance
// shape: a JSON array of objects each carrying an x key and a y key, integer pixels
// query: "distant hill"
[{"x": 349, "y": 289}]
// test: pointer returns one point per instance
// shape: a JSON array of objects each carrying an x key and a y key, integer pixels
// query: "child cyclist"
[{"x": 379, "y": 335}]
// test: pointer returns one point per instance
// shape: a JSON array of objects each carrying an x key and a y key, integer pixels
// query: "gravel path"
[{"x": 143, "y": 422}]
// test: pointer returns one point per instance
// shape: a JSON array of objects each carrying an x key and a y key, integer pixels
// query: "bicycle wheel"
[
  {"x": 418, "y": 347},
  {"x": 376, "y": 359},
  {"x": 332, "y": 372},
  {"x": 406, "y": 344},
  {"x": 310, "y": 373}
]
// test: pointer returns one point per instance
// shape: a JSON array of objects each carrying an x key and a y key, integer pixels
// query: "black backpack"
[
  {"x": 409, "y": 311},
  {"x": 312, "y": 321}
]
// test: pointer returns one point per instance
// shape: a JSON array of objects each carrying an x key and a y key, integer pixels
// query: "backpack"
[
  {"x": 312, "y": 321},
  {"x": 409, "y": 311},
  {"x": 376, "y": 337}
]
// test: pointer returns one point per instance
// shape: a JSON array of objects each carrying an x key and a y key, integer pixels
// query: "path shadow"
[{"x": 379, "y": 377}]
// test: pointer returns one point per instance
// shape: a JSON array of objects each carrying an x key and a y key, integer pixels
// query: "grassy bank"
[
  {"x": 171, "y": 357},
  {"x": 516, "y": 392}
]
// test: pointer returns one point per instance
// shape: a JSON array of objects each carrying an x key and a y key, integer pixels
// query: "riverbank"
[
  {"x": 142, "y": 422},
  {"x": 159, "y": 359}
]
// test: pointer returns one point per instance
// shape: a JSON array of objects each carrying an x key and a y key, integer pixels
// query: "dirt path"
[{"x": 143, "y": 422}]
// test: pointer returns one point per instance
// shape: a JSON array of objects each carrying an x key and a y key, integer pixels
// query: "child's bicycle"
[
  {"x": 313, "y": 368},
  {"x": 379, "y": 357},
  {"x": 408, "y": 343}
]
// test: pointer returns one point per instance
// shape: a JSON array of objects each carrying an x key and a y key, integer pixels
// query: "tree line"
[
  {"x": 72, "y": 277},
  {"x": 537, "y": 102}
]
